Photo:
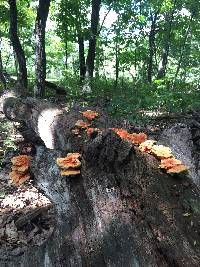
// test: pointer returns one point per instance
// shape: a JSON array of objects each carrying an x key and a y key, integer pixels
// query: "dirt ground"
[{"x": 26, "y": 214}]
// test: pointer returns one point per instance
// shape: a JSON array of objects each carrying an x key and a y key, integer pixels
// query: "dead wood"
[
  {"x": 122, "y": 210},
  {"x": 30, "y": 215},
  {"x": 59, "y": 90}
]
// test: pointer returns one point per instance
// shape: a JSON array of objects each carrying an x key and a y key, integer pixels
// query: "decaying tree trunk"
[{"x": 122, "y": 210}]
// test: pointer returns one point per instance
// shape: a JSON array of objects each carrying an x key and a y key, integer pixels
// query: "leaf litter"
[{"x": 26, "y": 215}]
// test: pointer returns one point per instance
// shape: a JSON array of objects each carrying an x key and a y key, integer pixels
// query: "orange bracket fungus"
[
  {"x": 177, "y": 169},
  {"x": 21, "y": 160},
  {"x": 134, "y": 138},
  {"x": 164, "y": 153},
  {"x": 161, "y": 151},
  {"x": 147, "y": 145},
  {"x": 91, "y": 131},
  {"x": 69, "y": 172},
  {"x": 121, "y": 132},
  {"x": 69, "y": 164},
  {"x": 169, "y": 163},
  {"x": 137, "y": 139},
  {"x": 82, "y": 124},
  {"x": 20, "y": 169},
  {"x": 90, "y": 114},
  {"x": 172, "y": 165},
  {"x": 18, "y": 178}
]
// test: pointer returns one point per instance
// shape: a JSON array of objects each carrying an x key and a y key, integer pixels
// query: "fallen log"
[
  {"x": 59, "y": 90},
  {"x": 47, "y": 123},
  {"x": 122, "y": 210}
]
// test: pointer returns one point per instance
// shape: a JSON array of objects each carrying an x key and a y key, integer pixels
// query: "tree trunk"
[
  {"x": 122, "y": 210},
  {"x": 183, "y": 48},
  {"x": 40, "y": 55},
  {"x": 151, "y": 46},
  {"x": 82, "y": 66},
  {"x": 2, "y": 78},
  {"x": 165, "y": 51},
  {"x": 66, "y": 54},
  {"x": 116, "y": 64},
  {"x": 19, "y": 52},
  {"x": 167, "y": 39},
  {"x": 92, "y": 42}
]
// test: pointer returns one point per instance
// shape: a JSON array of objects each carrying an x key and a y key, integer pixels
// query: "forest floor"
[{"x": 26, "y": 214}]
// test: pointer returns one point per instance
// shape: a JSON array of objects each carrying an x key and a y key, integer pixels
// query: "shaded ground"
[{"x": 26, "y": 215}]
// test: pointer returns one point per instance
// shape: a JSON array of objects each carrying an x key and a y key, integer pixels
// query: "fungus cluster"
[
  {"x": 172, "y": 165},
  {"x": 161, "y": 151},
  {"x": 70, "y": 164},
  {"x": 164, "y": 153},
  {"x": 20, "y": 169},
  {"x": 91, "y": 131},
  {"x": 134, "y": 138},
  {"x": 147, "y": 146},
  {"x": 82, "y": 125},
  {"x": 90, "y": 114}
]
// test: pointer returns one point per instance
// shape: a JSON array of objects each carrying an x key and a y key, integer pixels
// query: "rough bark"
[
  {"x": 19, "y": 52},
  {"x": 2, "y": 77},
  {"x": 122, "y": 210},
  {"x": 45, "y": 122},
  {"x": 66, "y": 54},
  {"x": 169, "y": 16},
  {"x": 117, "y": 52},
  {"x": 165, "y": 51},
  {"x": 40, "y": 55},
  {"x": 152, "y": 35},
  {"x": 188, "y": 31},
  {"x": 82, "y": 66},
  {"x": 92, "y": 42}
]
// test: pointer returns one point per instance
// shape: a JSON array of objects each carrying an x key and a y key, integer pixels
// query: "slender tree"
[
  {"x": 2, "y": 78},
  {"x": 40, "y": 55},
  {"x": 183, "y": 47},
  {"x": 92, "y": 42},
  {"x": 116, "y": 63},
  {"x": 169, "y": 16},
  {"x": 152, "y": 35},
  {"x": 81, "y": 56},
  {"x": 19, "y": 52}
]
